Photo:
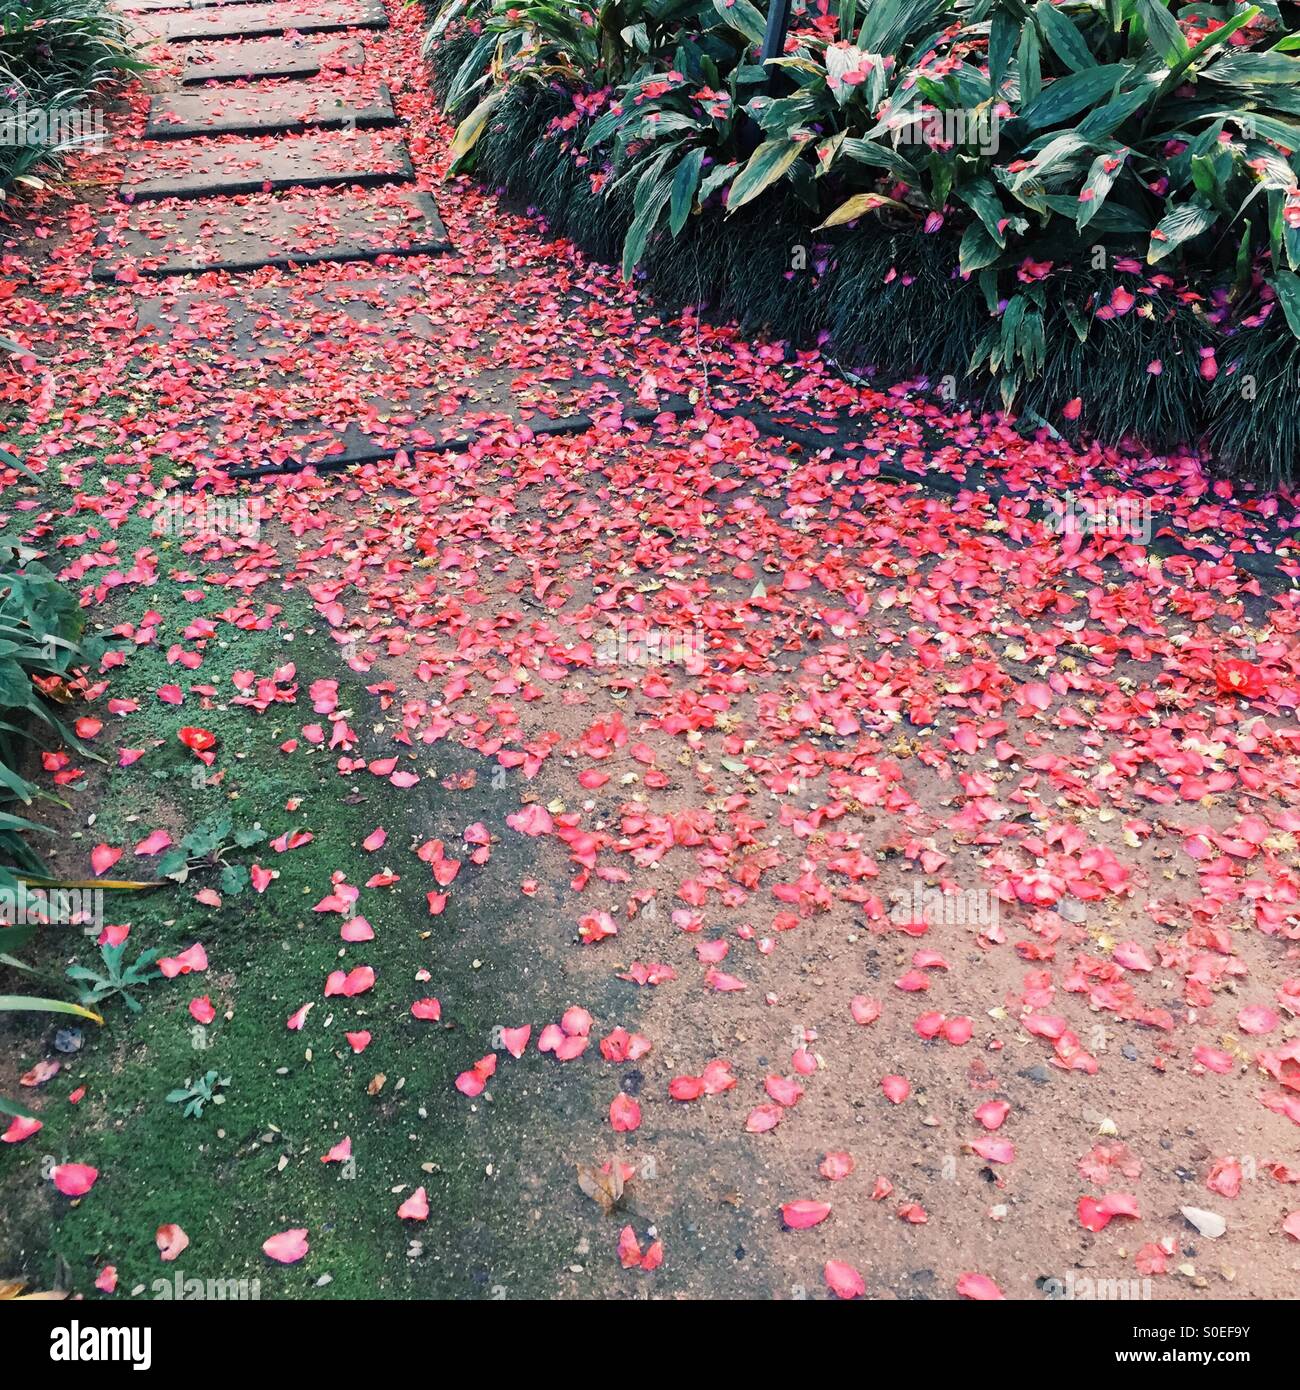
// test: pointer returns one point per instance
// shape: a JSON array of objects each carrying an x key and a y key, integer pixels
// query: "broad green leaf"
[
  {"x": 889, "y": 21},
  {"x": 1105, "y": 120},
  {"x": 1162, "y": 28},
  {"x": 1106, "y": 168},
  {"x": 1002, "y": 40},
  {"x": 858, "y": 206},
  {"x": 472, "y": 72},
  {"x": 1179, "y": 225},
  {"x": 715, "y": 178},
  {"x": 1286, "y": 284},
  {"x": 1213, "y": 40},
  {"x": 1067, "y": 96},
  {"x": 473, "y": 126},
  {"x": 982, "y": 198},
  {"x": 977, "y": 249},
  {"x": 767, "y": 164},
  {"x": 1063, "y": 37},
  {"x": 840, "y": 61},
  {"x": 1256, "y": 125},
  {"x": 1253, "y": 69},
  {"x": 652, "y": 193},
  {"x": 741, "y": 16},
  {"x": 1029, "y": 66},
  {"x": 878, "y": 155},
  {"x": 29, "y": 1003}
]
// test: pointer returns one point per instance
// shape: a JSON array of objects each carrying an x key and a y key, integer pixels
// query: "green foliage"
[
  {"x": 207, "y": 847},
  {"x": 1022, "y": 162},
  {"x": 43, "y": 646},
  {"x": 53, "y": 54},
  {"x": 116, "y": 977},
  {"x": 1059, "y": 120},
  {"x": 195, "y": 1094}
]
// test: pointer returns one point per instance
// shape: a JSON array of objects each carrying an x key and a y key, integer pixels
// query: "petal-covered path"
[{"x": 672, "y": 819}]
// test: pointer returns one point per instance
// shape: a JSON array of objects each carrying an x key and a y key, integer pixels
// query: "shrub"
[
  {"x": 42, "y": 647},
  {"x": 53, "y": 54},
  {"x": 1079, "y": 202}
]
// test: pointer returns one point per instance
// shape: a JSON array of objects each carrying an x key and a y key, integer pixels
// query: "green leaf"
[
  {"x": 1177, "y": 226},
  {"x": 652, "y": 191},
  {"x": 767, "y": 164},
  {"x": 1063, "y": 38},
  {"x": 888, "y": 22},
  {"x": 1106, "y": 168},
  {"x": 1002, "y": 39},
  {"x": 473, "y": 71},
  {"x": 1029, "y": 66},
  {"x": 12, "y": 1107},
  {"x": 1105, "y": 120},
  {"x": 880, "y": 156},
  {"x": 1215, "y": 39},
  {"x": 741, "y": 16},
  {"x": 1067, "y": 96},
  {"x": 174, "y": 864},
  {"x": 982, "y": 198},
  {"x": 1286, "y": 284},
  {"x": 1256, "y": 125},
  {"x": 715, "y": 178},
  {"x": 1162, "y": 28},
  {"x": 234, "y": 879},
  {"x": 1253, "y": 69},
  {"x": 29, "y": 1003},
  {"x": 686, "y": 180},
  {"x": 977, "y": 249}
]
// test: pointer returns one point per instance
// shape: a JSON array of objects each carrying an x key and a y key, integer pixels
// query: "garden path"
[{"x": 637, "y": 685}]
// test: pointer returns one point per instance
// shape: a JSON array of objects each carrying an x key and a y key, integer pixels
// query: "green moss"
[{"x": 251, "y": 1167}]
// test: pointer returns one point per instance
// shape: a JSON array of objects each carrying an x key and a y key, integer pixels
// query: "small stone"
[{"x": 1208, "y": 1223}]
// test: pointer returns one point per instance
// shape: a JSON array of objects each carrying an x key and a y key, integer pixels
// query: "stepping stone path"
[
  {"x": 270, "y": 112},
  {"x": 186, "y": 170},
  {"x": 236, "y": 59},
  {"x": 297, "y": 229},
  {"x": 244, "y": 21},
  {"x": 219, "y": 182}
]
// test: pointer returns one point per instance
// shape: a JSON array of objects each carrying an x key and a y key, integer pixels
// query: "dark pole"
[{"x": 778, "y": 24}]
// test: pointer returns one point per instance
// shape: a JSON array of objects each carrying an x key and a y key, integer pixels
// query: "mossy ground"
[{"x": 252, "y": 1166}]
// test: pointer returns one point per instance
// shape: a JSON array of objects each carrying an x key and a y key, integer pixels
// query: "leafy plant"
[
  {"x": 43, "y": 647},
  {"x": 1048, "y": 150},
  {"x": 116, "y": 977},
  {"x": 206, "y": 847},
  {"x": 586, "y": 47},
  {"x": 195, "y": 1094},
  {"x": 14, "y": 938},
  {"x": 53, "y": 54}
]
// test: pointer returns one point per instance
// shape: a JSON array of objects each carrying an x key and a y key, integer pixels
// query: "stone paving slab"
[
  {"x": 263, "y": 111},
  {"x": 294, "y": 229},
  {"x": 192, "y": 170},
  {"x": 352, "y": 447},
  {"x": 265, "y": 322},
  {"x": 149, "y": 6},
  {"x": 257, "y": 20},
  {"x": 152, "y": 6},
  {"x": 256, "y": 58}
]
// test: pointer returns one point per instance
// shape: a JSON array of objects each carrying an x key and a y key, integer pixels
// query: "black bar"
[{"x": 778, "y": 24}]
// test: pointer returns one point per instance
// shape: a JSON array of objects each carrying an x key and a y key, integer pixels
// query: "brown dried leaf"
[{"x": 606, "y": 1188}]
